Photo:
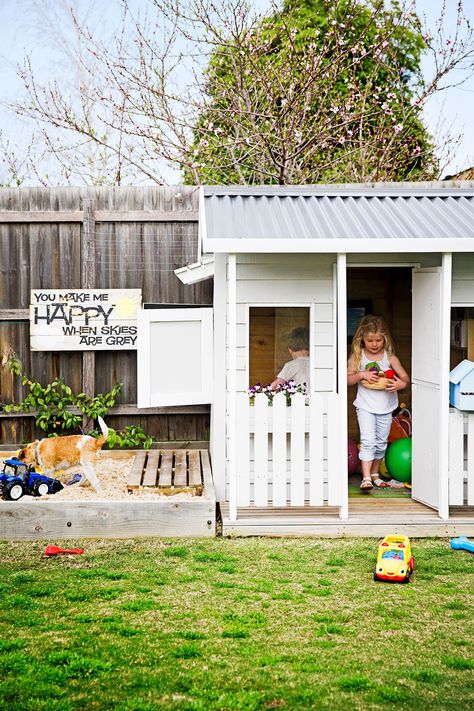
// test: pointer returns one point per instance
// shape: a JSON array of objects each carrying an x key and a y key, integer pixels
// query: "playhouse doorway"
[{"x": 386, "y": 291}]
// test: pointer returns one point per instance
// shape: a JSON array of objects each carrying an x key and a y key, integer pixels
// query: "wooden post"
[
  {"x": 337, "y": 475},
  {"x": 232, "y": 385},
  {"x": 88, "y": 282}
]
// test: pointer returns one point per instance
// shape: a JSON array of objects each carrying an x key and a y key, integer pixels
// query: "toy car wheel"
[
  {"x": 406, "y": 579},
  {"x": 375, "y": 577},
  {"x": 13, "y": 490},
  {"x": 40, "y": 488}
]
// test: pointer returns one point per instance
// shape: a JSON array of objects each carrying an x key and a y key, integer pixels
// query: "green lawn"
[{"x": 234, "y": 624}]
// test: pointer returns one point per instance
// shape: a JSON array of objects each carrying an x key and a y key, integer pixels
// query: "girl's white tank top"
[{"x": 380, "y": 402}]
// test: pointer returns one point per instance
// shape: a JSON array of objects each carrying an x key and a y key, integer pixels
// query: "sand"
[{"x": 112, "y": 474}]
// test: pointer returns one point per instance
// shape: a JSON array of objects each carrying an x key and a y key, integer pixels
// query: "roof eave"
[
  {"x": 334, "y": 246},
  {"x": 432, "y": 189}
]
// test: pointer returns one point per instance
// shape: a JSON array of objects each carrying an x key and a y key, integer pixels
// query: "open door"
[{"x": 430, "y": 377}]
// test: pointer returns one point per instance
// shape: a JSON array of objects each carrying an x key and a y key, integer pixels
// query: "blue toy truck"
[{"x": 18, "y": 478}]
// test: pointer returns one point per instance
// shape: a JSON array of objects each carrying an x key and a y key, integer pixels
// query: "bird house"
[{"x": 461, "y": 386}]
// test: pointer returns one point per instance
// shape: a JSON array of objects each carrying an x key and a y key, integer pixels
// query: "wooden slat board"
[
  {"x": 194, "y": 468},
  {"x": 135, "y": 476},
  {"x": 180, "y": 469},
  {"x": 170, "y": 471},
  {"x": 166, "y": 470},
  {"x": 150, "y": 473}
]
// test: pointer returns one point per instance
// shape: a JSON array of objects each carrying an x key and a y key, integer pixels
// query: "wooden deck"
[
  {"x": 374, "y": 517},
  {"x": 170, "y": 471}
]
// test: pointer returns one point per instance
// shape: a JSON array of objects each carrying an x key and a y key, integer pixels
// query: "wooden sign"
[{"x": 84, "y": 319}]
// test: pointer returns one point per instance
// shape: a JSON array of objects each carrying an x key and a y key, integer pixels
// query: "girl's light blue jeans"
[{"x": 374, "y": 431}]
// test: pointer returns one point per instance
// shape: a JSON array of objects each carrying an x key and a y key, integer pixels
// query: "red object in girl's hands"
[
  {"x": 54, "y": 550},
  {"x": 390, "y": 374}
]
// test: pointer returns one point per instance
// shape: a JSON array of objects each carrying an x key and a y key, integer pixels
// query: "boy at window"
[{"x": 296, "y": 369}]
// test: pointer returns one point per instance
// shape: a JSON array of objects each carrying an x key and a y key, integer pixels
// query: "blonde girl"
[{"x": 372, "y": 343}]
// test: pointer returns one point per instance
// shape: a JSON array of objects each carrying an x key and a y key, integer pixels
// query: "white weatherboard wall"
[{"x": 287, "y": 280}]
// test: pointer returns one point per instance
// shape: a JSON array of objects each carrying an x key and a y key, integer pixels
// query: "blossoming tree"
[{"x": 318, "y": 90}]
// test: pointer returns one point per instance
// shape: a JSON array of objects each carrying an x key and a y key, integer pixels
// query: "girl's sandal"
[
  {"x": 366, "y": 483},
  {"x": 379, "y": 483}
]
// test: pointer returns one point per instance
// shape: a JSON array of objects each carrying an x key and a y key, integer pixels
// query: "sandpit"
[{"x": 78, "y": 511}]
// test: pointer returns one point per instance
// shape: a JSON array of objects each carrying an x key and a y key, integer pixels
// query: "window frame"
[{"x": 286, "y": 305}]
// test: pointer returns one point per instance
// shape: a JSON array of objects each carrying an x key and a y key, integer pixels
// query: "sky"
[{"x": 22, "y": 31}]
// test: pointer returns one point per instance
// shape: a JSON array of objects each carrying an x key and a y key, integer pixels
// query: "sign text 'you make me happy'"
[{"x": 84, "y": 319}]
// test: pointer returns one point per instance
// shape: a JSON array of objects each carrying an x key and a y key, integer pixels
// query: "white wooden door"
[{"x": 430, "y": 377}]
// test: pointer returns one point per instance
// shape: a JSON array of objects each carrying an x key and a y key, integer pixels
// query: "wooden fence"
[{"x": 103, "y": 238}]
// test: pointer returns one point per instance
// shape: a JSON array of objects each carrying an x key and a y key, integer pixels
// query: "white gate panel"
[
  {"x": 297, "y": 449},
  {"x": 242, "y": 450},
  {"x": 470, "y": 460},
  {"x": 337, "y": 453},
  {"x": 456, "y": 458},
  {"x": 461, "y": 458},
  {"x": 261, "y": 451},
  {"x": 316, "y": 450},
  {"x": 279, "y": 450}
]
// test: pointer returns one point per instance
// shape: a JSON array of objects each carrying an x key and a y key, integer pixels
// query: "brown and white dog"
[{"x": 62, "y": 452}]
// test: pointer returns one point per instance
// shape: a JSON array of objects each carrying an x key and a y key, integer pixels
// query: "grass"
[{"x": 224, "y": 624}]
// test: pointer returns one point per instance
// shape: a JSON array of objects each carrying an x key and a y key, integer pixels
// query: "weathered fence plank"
[{"x": 49, "y": 217}]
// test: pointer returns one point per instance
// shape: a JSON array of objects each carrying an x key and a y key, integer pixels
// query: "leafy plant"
[
  {"x": 130, "y": 436},
  {"x": 56, "y": 408}
]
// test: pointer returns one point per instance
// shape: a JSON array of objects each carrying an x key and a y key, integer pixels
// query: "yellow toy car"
[{"x": 394, "y": 560}]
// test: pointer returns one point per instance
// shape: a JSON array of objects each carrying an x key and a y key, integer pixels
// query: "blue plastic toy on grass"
[{"x": 462, "y": 543}]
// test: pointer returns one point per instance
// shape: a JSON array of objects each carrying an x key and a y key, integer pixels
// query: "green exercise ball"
[{"x": 398, "y": 459}]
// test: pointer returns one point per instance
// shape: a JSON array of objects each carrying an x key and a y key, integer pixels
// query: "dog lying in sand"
[{"x": 62, "y": 452}]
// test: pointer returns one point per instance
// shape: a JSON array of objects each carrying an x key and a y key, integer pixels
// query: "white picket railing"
[
  {"x": 284, "y": 453},
  {"x": 461, "y": 458}
]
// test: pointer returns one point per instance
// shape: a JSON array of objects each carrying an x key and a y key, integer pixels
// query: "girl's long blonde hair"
[{"x": 370, "y": 324}]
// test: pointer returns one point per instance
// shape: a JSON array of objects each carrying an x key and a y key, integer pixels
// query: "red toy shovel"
[{"x": 54, "y": 550}]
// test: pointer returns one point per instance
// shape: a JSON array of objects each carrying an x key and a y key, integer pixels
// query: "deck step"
[
  {"x": 169, "y": 471},
  {"x": 367, "y": 518}
]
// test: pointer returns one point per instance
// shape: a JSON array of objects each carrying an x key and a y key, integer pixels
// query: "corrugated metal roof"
[{"x": 356, "y": 212}]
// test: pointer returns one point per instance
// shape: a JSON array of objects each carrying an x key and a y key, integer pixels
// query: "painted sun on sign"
[{"x": 84, "y": 319}]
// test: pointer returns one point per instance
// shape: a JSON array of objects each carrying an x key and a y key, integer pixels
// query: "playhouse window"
[
  {"x": 269, "y": 328},
  {"x": 462, "y": 334}
]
